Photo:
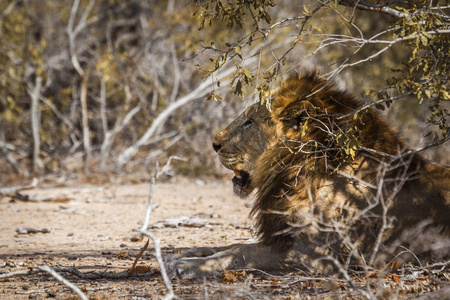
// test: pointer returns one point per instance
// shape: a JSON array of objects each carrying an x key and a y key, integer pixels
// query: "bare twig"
[
  {"x": 110, "y": 134},
  {"x": 133, "y": 268},
  {"x": 20, "y": 273},
  {"x": 35, "y": 198},
  {"x": 64, "y": 281},
  {"x": 367, "y": 106},
  {"x": 11, "y": 191},
  {"x": 383, "y": 8},
  {"x": 177, "y": 76},
  {"x": 107, "y": 275},
  {"x": 201, "y": 91},
  {"x": 170, "y": 294},
  {"x": 156, "y": 175},
  {"x": 5, "y": 149}
]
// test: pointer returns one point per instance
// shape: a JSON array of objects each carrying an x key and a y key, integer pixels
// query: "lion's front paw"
[{"x": 189, "y": 268}]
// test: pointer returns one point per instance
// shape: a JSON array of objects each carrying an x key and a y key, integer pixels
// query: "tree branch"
[
  {"x": 376, "y": 8},
  {"x": 201, "y": 91}
]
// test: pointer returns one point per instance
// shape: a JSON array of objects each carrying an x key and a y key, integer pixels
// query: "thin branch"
[
  {"x": 150, "y": 205},
  {"x": 177, "y": 75},
  {"x": 10, "y": 159},
  {"x": 82, "y": 23},
  {"x": 201, "y": 91},
  {"x": 367, "y": 106},
  {"x": 170, "y": 294},
  {"x": 366, "y": 6},
  {"x": 133, "y": 268},
  {"x": 102, "y": 275},
  {"x": 347, "y": 277},
  {"x": 72, "y": 36},
  {"x": 64, "y": 281},
  {"x": 284, "y": 21}
]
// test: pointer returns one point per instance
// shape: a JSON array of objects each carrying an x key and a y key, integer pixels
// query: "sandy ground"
[{"x": 93, "y": 231}]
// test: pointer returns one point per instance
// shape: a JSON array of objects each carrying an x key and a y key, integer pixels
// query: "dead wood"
[
  {"x": 28, "y": 230},
  {"x": 47, "y": 269},
  {"x": 182, "y": 221},
  {"x": 133, "y": 268},
  {"x": 107, "y": 275},
  {"x": 14, "y": 193},
  {"x": 11, "y": 191},
  {"x": 34, "y": 198}
]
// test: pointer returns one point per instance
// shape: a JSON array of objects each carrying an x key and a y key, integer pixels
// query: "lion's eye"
[
  {"x": 303, "y": 115},
  {"x": 247, "y": 124}
]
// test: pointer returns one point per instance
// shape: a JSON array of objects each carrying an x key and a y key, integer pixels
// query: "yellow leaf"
[{"x": 306, "y": 9}]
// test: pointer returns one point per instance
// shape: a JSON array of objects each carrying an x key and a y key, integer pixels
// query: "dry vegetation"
[
  {"x": 94, "y": 232},
  {"x": 94, "y": 93}
]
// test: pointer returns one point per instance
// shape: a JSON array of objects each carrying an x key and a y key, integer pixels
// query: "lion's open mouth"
[{"x": 241, "y": 179}]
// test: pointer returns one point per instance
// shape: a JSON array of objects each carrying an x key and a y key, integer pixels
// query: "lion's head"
[
  {"x": 298, "y": 102},
  {"x": 241, "y": 143}
]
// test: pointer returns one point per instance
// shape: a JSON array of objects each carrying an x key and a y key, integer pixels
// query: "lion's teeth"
[{"x": 238, "y": 174}]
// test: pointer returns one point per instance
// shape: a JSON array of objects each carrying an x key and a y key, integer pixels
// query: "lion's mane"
[{"x": 308, "y": 112}]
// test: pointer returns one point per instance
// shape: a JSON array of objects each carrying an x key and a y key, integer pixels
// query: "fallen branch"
[
  {"x": 20, "y": 273},
  {"x": 34, "y": 198},
  {"x": 11, "y": 191},
  {"x": 183, "y": 221},
  {"x": 28, "y": 230},
  {"x": 47, "y": 269},
  {"x": 103, "y": 275}
]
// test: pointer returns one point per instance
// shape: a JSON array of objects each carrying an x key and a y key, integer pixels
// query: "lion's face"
[{"x": 241, "y": 143}]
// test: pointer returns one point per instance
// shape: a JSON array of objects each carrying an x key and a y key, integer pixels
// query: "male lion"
[{"x": 335, "y": 186}]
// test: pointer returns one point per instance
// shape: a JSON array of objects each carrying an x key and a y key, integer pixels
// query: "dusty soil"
[{"x": 93, "y": 232}]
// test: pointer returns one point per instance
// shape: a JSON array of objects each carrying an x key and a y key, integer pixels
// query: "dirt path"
[
  {"x": 94, "y": 232},
  {"x": 98, "y": 223}
]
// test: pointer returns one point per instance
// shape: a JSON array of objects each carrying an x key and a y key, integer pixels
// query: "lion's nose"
[{"x": 217, "y": 147}]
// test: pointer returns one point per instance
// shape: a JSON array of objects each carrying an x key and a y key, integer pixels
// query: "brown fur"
[
  {"x": 283, "y": 174},
  {"x": 315, "y": 197}
]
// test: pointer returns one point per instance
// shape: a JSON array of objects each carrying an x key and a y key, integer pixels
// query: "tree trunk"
[
  {"x": 85, "y": 126},
  {"x": 34, "y": 95}
]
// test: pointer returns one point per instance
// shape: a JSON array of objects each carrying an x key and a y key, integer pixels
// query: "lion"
[{"x": 335, "y": 185}]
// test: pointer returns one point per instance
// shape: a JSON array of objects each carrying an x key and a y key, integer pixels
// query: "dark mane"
[{"x": 303, "y": 156}]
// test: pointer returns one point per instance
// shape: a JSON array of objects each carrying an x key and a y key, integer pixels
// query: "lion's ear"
[{"x": 295, "y": 111}]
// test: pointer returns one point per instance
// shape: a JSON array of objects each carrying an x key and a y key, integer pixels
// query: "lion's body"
[{"x": 330, "y": 183}]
